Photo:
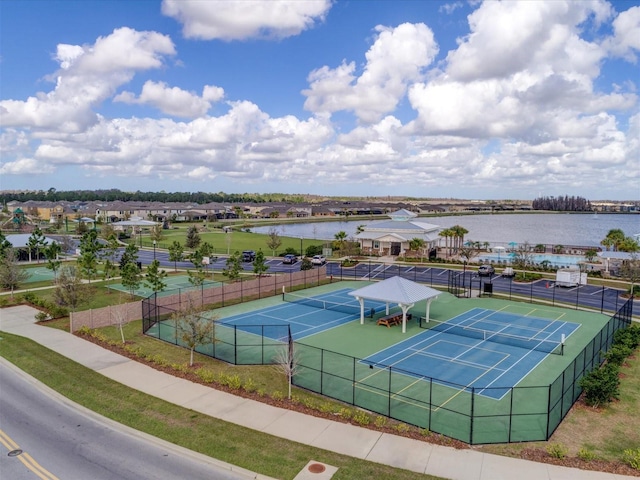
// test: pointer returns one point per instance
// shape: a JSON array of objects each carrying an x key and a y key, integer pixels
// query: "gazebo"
[{"x": 398, "y": 290}]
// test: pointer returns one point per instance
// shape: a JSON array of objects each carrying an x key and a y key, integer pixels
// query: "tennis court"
[
  {"x": 306, "y": 315},
  {"x": 40, "y": 274},
  {"x": 487, "y": 350},
  {"x": 173, "y": 282}
]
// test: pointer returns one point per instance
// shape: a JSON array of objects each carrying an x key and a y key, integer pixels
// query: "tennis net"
[
  {"x": 529, "y": 343},
  {"x": 326, "y": 305}
]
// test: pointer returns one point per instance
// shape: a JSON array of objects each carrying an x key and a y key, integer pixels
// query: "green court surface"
[
  {"x": 172, "y": 282},
  {"x": 39, "y": 274},
  {"x": 331, "y": 364}
]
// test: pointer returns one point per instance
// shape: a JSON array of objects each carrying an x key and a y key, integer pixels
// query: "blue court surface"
[
  {"x": 307, "y": 315},
  {"x": 487, "y": 350}
]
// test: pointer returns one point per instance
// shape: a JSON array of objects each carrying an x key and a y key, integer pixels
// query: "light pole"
[
  {"x": 301, "y": 253},
  {"x": 154, "y": 249}
]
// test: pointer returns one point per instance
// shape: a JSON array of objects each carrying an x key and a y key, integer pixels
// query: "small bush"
[
  {"x": 618, "y": 354},
  {"x": 205, "y": 375},
  {"x": 402, "y": 428},
  {"x": 380, "y": 421},
  {"x": 277, "y": 395},
  {"x": 425, "y": 432},
  {"x": 557, "y": 450},
  {"x": 586, "y": 455},
  {"x": 41, "y": 316},
  {"x": 632, "y": 458},
  {"x": 601, "y": 386},
  {"x": 361, "y": 418},
  {"x": 345, "y": 413},
  {"x": 249, "y": 385}
]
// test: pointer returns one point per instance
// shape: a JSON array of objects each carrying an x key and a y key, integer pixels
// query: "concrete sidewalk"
[{"x": 338, "y": 437}]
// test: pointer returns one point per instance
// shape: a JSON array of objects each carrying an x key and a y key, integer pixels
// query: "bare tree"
[
  {"x": 522, "y": 256},
  {"x": 11, "y": 274},
  {"x": 274, "y": 241},
  {"x": 192, "y": 327},
  {"x": 119, "y": 315},
  {"x": 287, "y": 361},
  {"x": 70, "y": 291}
]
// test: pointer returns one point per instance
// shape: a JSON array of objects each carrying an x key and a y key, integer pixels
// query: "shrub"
[
  {"x": 618, "y": 354},
  {"x": 632, "y": 458},
  {"x": 557, "y": 450},
  {"x": 601, "y": 385},
  {"x": 380, "y": 421},
  {"x": 345, "y": 413},
  {"x": 41, "y": 316},
  {"x": 277, "y": 395},
  {"x": 362, "y": 418},
  {"x": 205, "y": 375},
  {"x": 586, "y": 455},
  {"x": 249, "y": 385},
  {"x": 31, "y": 298},
  {"x": 629, "y": 337},
  {"x": 402, "y": 428}
]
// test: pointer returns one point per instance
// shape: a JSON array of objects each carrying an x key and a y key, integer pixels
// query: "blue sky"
[{"x": 433, "y": 99}]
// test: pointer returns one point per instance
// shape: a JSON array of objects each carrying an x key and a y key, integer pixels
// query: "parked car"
[
  {"x": 508, "y": 272},
  {"x": 486, "y": 270},
  {"x": 290, "y": 259},
  {"x": 318, "y": 260},
  {"x": 248, "y": 256}
]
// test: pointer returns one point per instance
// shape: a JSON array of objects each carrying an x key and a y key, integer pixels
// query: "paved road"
[{"x": 58, "y": 441}]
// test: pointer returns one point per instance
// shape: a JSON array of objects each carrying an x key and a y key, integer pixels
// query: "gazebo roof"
[{"x": 396, "y": 290}]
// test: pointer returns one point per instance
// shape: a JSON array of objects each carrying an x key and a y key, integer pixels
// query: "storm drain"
[{"x": 316, "y": 471}]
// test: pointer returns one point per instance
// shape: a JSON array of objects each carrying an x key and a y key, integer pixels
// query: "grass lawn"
[
  {"x": 605, "y": 432},
  {"x": 231, "y": 443}
]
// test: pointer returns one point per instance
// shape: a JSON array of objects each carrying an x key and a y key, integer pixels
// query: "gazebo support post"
[
  {"x": 428, "y": 307},
  {"x": 361, "y": 301},
  {"x": 405, "y": 308}
]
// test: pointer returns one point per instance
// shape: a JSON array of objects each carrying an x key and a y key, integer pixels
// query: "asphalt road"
[{"x": 58, "y": 441}]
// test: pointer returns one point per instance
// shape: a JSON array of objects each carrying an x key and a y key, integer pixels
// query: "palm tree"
[
  {"x": 340, "y": 238},
  {"x": 458, "y": 234},
  {"x": 447, "y": 233},
  {"x": 614, "y": 239}
]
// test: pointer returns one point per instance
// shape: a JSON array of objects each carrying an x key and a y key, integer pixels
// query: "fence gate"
[{"x": 457, "y": 284}]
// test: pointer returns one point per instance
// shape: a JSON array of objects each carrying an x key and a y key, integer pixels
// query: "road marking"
[{"x": 26, "y": 459}]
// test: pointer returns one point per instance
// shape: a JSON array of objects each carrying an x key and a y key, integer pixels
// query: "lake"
[{"x": 549, "y": 228}]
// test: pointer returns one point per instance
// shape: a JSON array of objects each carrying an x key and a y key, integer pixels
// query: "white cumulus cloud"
[
  {"x": 242, "y": 19},
  {"x": 173, "y": 100},
  {"x": 397, "y": 57}
]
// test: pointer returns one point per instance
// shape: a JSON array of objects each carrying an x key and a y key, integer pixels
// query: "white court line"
[{"x": 527, "y": 354}]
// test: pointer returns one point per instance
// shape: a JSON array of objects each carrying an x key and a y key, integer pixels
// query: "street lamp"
[
  {"x": 154, "y": 249},
  {"x": 301, "y": 253}
]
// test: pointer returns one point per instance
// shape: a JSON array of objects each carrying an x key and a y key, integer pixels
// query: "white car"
[{"x": 318, "y": 260}]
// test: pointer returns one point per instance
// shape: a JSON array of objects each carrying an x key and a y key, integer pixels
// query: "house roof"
[
  {"x": 21, "y": 240},
  {"x": 396, "y": 290},
  {"x": 616, "y": 255}
]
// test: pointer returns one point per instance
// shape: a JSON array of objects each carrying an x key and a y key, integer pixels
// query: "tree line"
[
  {"x": 114, "y": 195},
  {"x": 562, "y": 204}
]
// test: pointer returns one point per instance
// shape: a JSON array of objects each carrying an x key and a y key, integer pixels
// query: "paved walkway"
[{"x": 338, "y": 437}]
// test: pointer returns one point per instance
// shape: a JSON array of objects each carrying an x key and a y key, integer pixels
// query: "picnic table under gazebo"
[{"x": 396, "y": 290}]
